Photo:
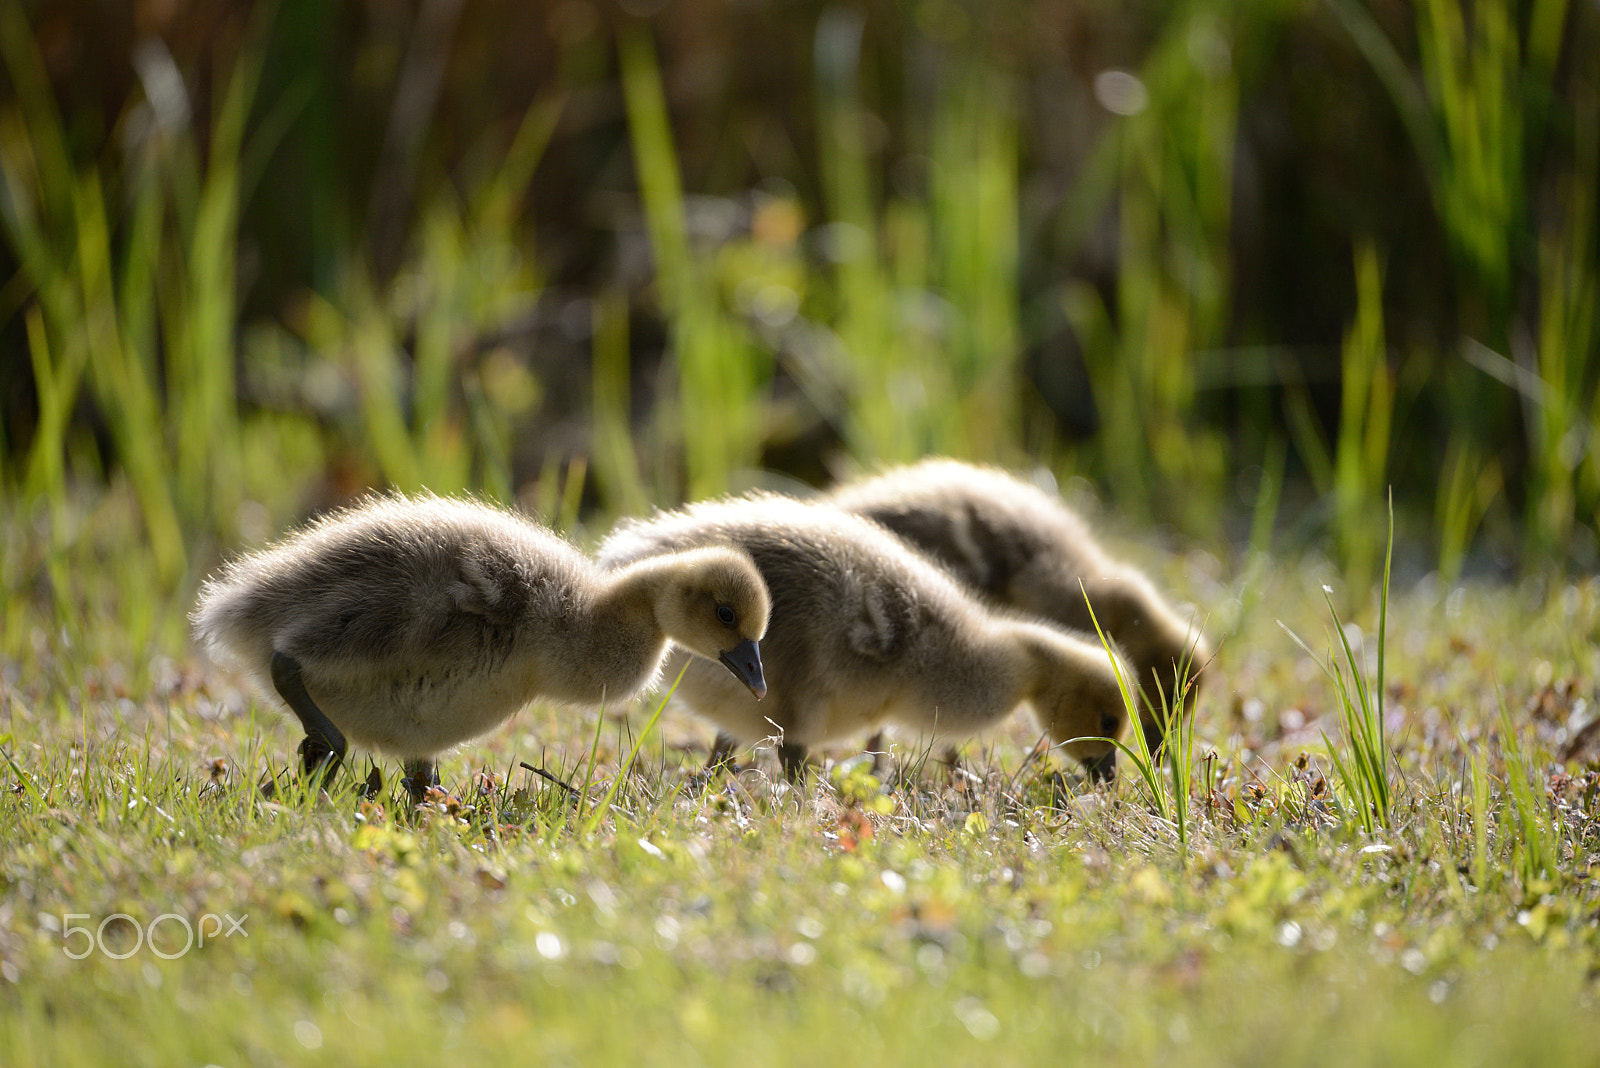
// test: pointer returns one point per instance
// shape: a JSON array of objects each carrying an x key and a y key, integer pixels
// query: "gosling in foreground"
[
  {"x": 866, "y": 633},
  {"x": 409, "y": 625},
  {"x": 1023, "y": 548}
]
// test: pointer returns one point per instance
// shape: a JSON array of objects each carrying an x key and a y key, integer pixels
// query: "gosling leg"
[
  {"x": 719, "y": 761},
  {"x": 1101, "y": 769},
  {"x": 875, "y": 747},
  {"x": 957, "y": 772},
  {"x": 721, "y": 758},
  {"x": 324, "y": 746},
  {"x": 793, "y": 759},
  {"x": 421, "y": 775}
]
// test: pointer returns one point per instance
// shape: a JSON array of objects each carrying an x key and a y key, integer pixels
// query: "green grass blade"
[
  {"x": 1142, "y": 759},
  {"x": 622, "y": 771}
]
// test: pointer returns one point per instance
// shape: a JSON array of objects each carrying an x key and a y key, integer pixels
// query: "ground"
[{"x": 158, "y": 910}]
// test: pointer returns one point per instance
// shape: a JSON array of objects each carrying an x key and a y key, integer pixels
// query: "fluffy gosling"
[
  {"x": 409, "y": 625},
  {"x": 866, "y": 633},
  {"x": 1024, "y": 548}
]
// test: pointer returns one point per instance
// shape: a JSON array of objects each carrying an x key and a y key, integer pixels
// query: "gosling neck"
[
  {"x": 1020, "y": 656},
  {"x": 1103, "y": 591},
  {"x": 618, "y": 643},
  {"x": 1048, "y": 658},
  {"x": 638, "y": 590}
]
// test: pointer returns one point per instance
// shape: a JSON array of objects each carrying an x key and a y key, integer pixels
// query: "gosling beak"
[
  {"x": 744, "y": 660},
  {"x": 1102, "y": 768}
]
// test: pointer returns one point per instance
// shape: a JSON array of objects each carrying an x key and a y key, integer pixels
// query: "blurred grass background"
[{"x": 587, "y": 257}]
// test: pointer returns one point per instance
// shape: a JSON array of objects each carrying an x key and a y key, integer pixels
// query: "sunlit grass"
[
  {"x": 939, "y": 912},
  {"x": 1168, "y": 773},
  {"x": 1364, "y": 762}
]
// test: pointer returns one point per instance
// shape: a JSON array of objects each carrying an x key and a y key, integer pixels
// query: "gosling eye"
[
  {"x": 726, "y": 615},
  {"x": 1110, "y": 725}
]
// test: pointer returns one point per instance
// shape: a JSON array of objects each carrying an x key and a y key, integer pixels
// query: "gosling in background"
[
  {"x": 865, "y": 633},
  {"x": 409, "y": 625},
  {"x": 1024, "y": 548}
]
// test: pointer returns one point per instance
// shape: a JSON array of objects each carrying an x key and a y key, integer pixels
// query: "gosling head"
[
  {"x": 717, "y": 606},
  {"x": 1078, "y": 701},
  {"x": 1168, "y": 654}
]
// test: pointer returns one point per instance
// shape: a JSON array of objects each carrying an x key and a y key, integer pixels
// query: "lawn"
[{"x": 158, "y": 910}]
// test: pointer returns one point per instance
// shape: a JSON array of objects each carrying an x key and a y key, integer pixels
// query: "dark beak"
[
  {"x": 1102, "y": 768},
  {"x": 744, "y": 660}
]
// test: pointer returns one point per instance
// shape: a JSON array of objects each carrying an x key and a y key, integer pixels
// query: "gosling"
[
  {"x": 866, "y": 633},
  {"x": 1024, "y": 548},
  {"x": 409, "y": 625}
]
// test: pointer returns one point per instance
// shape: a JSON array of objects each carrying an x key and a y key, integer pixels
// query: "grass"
[
  {"x": 982, "y": 915},
  {"x": 1480, "y": 110},
  {"x": 719, "y": 370},
  {"x": 1167, "y": 774},
  {"x": 1363, "y": 764},
  {"x": 751, "y": 920}
]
